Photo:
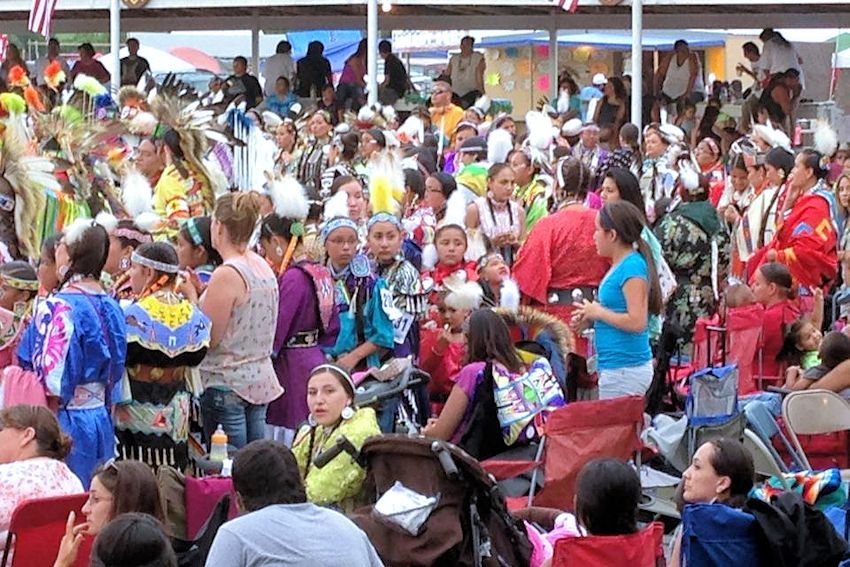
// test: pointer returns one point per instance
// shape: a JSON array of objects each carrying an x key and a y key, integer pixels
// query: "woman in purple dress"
[{"x": 307, "y": 314}]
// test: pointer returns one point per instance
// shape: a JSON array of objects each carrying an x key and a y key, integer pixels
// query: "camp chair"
[
  {"x": 574, "y": 435},
  {"x": 716, "y": 534},
  {"x": 762, "y": 423},
  {"x": 765, "y": 459},
  {"x": 36, "y": 530},
  {"x": 814, "y": 412},
  {"x": 640, "y": 549}
]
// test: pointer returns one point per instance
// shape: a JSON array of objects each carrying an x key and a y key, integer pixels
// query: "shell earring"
[
  {"x": 311, "y": 421},
  {"x": 278, "y": 251},
  {"x": 124, "y": 263},
  {"x": 347, "y": 412}
]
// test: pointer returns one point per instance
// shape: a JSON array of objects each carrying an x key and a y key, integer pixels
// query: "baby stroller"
[
  {"x": 397, "y": 393},
  {"x": 469, "y": 525}
]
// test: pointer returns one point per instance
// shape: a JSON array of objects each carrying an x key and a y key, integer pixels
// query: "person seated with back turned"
[{"x": 278, "y": 525}]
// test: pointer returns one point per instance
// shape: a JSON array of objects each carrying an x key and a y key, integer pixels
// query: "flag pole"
[
  {"x": 372, "y": 49},
  {"x": 637, "y": 64},
  {"x": 115, "y": 43}
]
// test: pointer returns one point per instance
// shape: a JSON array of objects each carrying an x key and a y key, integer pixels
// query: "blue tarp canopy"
[
  {"x": 339, "y": 44},
  {"x": 608, "y": 39}
]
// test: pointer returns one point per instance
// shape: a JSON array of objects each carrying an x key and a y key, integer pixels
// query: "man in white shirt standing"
[
  {"x": 466, "y": 70},
  {"x": 280, "y": 64},
  {"x": 52, "y": 55},
  {"x": 779, "y": 54},
  {"x": 759, "y": 75}
]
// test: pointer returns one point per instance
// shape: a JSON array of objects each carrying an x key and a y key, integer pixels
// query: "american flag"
[
  {"x": 41, "y": 16},
  {"x": 568, "y": 5}
]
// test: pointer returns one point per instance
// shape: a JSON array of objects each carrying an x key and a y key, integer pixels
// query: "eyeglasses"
[
  {"x": 439, "y": 91},
  {"x": 343, "y": 241}
]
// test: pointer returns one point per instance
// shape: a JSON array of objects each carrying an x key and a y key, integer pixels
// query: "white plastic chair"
[
  {"x": 764, "y": 461},
  {"x": 814, "y": 412}
]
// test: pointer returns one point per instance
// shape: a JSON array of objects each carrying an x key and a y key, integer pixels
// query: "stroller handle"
[
  {"x": 446, "y": 460},
  {"x": 342, "y": 444}
]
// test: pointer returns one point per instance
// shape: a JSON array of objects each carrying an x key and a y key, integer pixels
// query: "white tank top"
[
  {"x": 676, "y": 80},
  {"x": 464, "y": 72}
]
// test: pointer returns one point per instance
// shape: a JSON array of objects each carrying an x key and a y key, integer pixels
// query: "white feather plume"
[
  {"x": 455, "y": 210},
  {"x": 539, "y": 130},
  {"x": 563, "y": 103},
  {"x": 74, "y": 231},
  {"x": 429, "y": 257},
  {"x": 107, "y": 221},
  {"x": 412, "y": 130},
  {"x": 271, "y": 119},
  {"x": 218, "y": 180},
  {"x": 136, "y": 193},
  {"x": 467, "y": 295},
  {"x": 289, "y": 198},
  {"x": 499, "y": 144},
  {"x": 825, "y": 138},
  {"x": 366, "y": 114},
  {"x": 142, "y": 123},
  {"x": 148, "y": 221},
  {"x": 509, "y": 295},
  {"x": 389, "y": 114},
  {"x": 688, "y": 175},
  {"x": 336, "y": 206},
  {"x": 482, "y": 103},
  {"x": 772, "y": 137}
]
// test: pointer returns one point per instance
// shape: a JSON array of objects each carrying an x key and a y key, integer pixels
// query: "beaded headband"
[
  {"x": 18, "y": 283},
  {"x": 132, "y": 234},
  {"x": 195, "y": 234},
  {"x": 384, "y": 217},
  {"x": 154, "y": 265},
  {"x": 335, "y": 223}
]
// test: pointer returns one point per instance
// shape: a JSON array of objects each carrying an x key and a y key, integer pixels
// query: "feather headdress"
[
  {"x": 386, "y": 184},
  {"x": 336, "y": 206},
  {"x": 499, "y": 145},
  {"x": 289, "y": 198},
  {"x": 509, "y": 294},
  {"x": 467, "y": 295},
  {"x": 481, "y": 106},
  {"x": 825, "y": 139},
  {"x": 771, "y": 136},
  {"x": 412, "y": 131}
]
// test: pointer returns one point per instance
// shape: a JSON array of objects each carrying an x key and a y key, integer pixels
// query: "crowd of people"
[{"x": 175, "y": 265}]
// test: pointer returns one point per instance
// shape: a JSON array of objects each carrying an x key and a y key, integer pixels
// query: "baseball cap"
[{"x": 599, "y": 79}]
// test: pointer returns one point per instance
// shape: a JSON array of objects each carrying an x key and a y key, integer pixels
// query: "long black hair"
[
  {"x": 489, "y": 340},
  {"x": 87, "y": 254},
  {"x": 607, "y": 497},
  {"x": 628, "y": 187},
  {"x": 626, "y": 220}
]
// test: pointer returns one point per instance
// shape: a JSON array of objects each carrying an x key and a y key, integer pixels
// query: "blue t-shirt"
[{"x": 617, "y": 348}]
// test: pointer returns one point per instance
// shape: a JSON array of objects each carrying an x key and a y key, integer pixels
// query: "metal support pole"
[
  {"x": 115, "y": 43},
  {"x": 372, "y": 49},
  {"x": 637, "y": 63},
  {"x": 553, "y": 62},
  {"x": 255, "y": 44}
]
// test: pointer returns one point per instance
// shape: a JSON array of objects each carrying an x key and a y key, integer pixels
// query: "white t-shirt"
[
  {"x": 465, "y": 72},
  {"x": 278, "y": 65}
]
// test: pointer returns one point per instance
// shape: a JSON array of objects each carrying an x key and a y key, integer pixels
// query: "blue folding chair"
[
  {"x": 763, "y": 424},
  {"x": 716, "y": 535}
]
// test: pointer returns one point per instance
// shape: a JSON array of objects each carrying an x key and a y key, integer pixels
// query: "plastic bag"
[{"x": 405, "y": 508}]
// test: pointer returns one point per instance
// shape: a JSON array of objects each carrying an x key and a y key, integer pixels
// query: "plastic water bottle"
[
  {"x": 589, "y": 334},
  {"x": 218, "y": 445}
]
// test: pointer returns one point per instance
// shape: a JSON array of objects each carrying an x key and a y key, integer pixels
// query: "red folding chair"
[
  {"x": 36, "y": 530},
  {"x": 641, "y": 549},
  {"x": 576, "y": 434}
]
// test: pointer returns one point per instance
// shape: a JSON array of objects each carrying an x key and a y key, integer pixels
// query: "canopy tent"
[
  {"x": 197, "y": 58},
  {"x": 607, "y": 39},
  {"x": 159, "y": 60},
  {"x": 339, "y": 44}
]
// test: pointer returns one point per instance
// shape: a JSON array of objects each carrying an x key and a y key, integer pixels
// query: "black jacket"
[{"x": 795, "y": 534}]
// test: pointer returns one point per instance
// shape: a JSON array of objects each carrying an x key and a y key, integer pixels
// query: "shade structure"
[
  {"x": 159, "y": 60},
  {"x": 197, "y": 58}
]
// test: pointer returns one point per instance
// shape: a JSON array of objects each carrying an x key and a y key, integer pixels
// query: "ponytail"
[{"x": 656, "y": 301}]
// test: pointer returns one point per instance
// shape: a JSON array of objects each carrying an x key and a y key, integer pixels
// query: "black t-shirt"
[
  {"x": 133, "y": 69},
  {"x": 312, "y": 76},
  {"x": 394, "y": 69},
  {"x": 247, "y": 84}
]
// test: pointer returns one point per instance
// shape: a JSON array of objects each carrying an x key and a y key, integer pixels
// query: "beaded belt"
[{"x": 304, "y": 339}]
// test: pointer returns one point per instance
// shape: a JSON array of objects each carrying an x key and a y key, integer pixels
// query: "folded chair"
[
  {"x": 814, "y": 412},
  {"x": 641, "y": 549},
  {"x": 765, "y": 459},
  {"x": 36, "y": 530}
]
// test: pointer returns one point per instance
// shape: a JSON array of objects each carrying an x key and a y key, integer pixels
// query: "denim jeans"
[{"x": 242, "y": 421}]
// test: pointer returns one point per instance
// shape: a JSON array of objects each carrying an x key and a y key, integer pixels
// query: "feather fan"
[
  {"x": 289, "y": 198},
  {"x": 136, "y": 193}
]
